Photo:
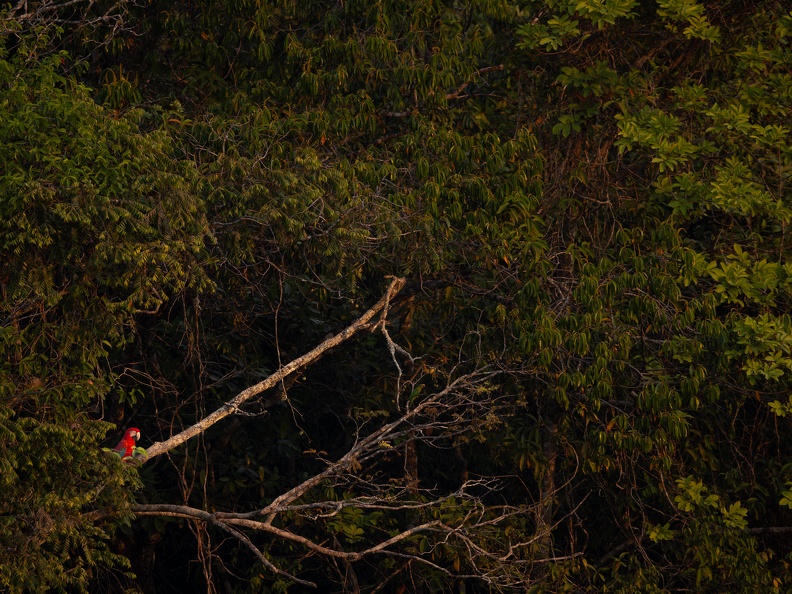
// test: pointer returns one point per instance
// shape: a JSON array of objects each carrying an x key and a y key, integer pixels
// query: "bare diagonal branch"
[{"x": 232, "y": 405}]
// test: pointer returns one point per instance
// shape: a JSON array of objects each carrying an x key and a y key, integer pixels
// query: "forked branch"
[{"x": 472, "y": 527}]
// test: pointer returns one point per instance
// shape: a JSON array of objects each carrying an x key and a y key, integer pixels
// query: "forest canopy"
[{"x": 402, "y": 296}]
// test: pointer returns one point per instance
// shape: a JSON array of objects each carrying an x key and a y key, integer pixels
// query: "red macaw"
[{"x": 126, "y": 446}]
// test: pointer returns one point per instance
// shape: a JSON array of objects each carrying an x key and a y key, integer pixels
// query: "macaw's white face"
[{"x": 134, "y": 434}]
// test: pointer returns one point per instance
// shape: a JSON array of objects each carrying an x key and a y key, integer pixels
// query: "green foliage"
[
  {"x": 98, "y": 223},
  {"x": 54, "y": 480},
  {"x": 589, "y": 196}
]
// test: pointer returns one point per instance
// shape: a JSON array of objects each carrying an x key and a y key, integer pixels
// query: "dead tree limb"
[
  {"x": 186, "y": 512},
  {"x": 232, "y": 406},
  {"x": 448, "y": 410}
]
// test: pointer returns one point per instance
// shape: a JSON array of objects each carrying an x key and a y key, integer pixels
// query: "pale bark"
[
  {"x": 66, "y": 12},
  {"x": 459, "y": 395},
  {"x": 232, "y": 406}
]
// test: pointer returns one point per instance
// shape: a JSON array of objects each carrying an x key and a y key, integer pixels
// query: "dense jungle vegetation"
[{"x": 566, "y": 220}]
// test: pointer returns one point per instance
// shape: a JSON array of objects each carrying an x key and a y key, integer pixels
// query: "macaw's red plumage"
[{"x": 126, "y": 446}]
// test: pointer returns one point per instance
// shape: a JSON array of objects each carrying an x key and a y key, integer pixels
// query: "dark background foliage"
[{"x": 588, "y": 197}]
